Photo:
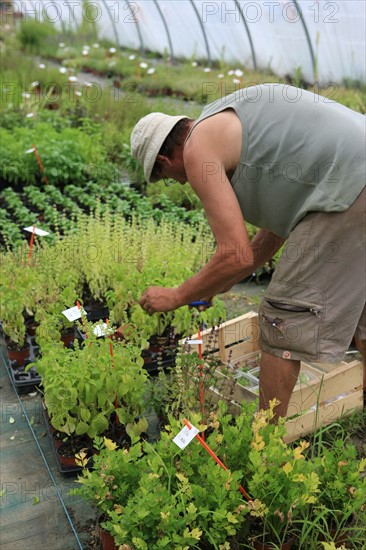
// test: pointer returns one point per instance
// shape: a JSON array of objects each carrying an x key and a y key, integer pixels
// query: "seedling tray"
[{"x": 25, "y": 381}]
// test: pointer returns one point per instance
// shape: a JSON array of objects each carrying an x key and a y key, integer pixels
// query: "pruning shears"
[{"x": 200, "y": 303}]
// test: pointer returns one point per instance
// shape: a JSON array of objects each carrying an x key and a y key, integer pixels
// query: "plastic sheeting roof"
[{"x": 324, "y": 39}]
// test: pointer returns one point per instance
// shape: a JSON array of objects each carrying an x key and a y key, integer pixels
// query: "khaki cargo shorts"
[{"x": 315, "y": 302}]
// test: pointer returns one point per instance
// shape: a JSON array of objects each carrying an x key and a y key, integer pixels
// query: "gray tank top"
[{"x": 301, "y": 153}]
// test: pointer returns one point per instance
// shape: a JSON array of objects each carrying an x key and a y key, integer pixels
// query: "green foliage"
[
  {"x": 65, "y": 155},
  {"x": 16, "y": 284},
  {"x": 180, "y": 195},
  {"x": 155, "y": 495},
  {"x": 34, "y": 35},
  {"x": 116, "y": 259},
  {"x": 342, "y": 476},
  {"x": 283, "y": 483},
  {"x": 82, "y": 385}
]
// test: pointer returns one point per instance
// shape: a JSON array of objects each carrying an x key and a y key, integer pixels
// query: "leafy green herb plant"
[{"x": 84, "y": 385}]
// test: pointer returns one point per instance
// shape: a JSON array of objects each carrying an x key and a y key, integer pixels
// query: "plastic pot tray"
[
  {"x": 74, "y": 469},
  {"x": 25, "y": 381}
]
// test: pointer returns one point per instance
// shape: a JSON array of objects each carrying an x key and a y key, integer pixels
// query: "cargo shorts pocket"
[{"x": 290, "y": 328}]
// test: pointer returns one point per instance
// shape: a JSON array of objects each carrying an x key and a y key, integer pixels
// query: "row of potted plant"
[
  {"x": 54, "y": 210},
  {"x": 153, "y": 495},
  {"x": 154, "y": 74},
  {"x": 94, "y": 386},
  {"x": 106, "y": 259},
  {"x": 156, "y": 495}
]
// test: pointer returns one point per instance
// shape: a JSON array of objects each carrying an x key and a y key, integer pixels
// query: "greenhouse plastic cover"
[{"x": 320, "y": 40}]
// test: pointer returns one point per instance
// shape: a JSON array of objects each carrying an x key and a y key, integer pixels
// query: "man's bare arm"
[{"x": 264, "y": 246}]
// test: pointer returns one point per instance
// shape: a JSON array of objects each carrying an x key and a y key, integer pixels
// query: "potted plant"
[
  {"x": 155, "y": 495},
  {"x": 343, "y": 490},
  {"x": 282, "y": 483},
  {"x": 16, "y": 283},
  {"x": 83, "y": 386},
  {"x": 186, "y": 392}
]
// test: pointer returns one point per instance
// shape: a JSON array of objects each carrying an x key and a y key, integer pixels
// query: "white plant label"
[
  {"x": 102, "y": 330},
  {"x": 185, "y": 436},
  {"x": 73, "y": 313},
  {"x": 194, "y": 342},
  {"x": 36, "y": 231}
]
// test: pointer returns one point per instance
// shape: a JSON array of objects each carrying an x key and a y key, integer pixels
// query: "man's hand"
[{"x": 157, "y": 298}]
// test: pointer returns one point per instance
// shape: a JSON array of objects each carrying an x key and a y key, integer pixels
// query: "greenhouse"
[{"x": 182, "y": 320}]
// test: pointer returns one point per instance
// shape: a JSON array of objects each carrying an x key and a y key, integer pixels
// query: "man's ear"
[{"x": 164, "y": 160}]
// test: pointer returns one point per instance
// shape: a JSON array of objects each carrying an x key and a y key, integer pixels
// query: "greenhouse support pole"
[
  {"x": 133, "y": 15},
  {"x": 254, "y": 58},
  {"x": 166, "y": 30},
  {"x": 113, "y": 23},
  {"x": 203, "y": 32},
  {"x": 307, "y": 34}
]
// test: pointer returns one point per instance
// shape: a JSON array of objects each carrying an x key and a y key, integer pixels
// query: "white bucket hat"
[{"x": 148, "y": 136}]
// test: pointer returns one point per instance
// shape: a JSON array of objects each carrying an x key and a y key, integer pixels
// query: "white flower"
[
  {"x": 25, "y": 95},
  {"x": 34, "y": 84},
  {"x": 29, "y": 115},
  {"x": 111, "y": 64},
  {"x": 88, "y": 84},
  {"x": 96, "y": 45},
  {"x": 194, "y": 63},
  {"x": 230, "y": 73},
  {"x": 73, "y": 79},
  {"x": 62, "y": 70},
  {"x": 85, "y": 52},
  {"x": 220, "y": 75},
  {"x": 207, "y": 70},
  {"x": 144, "y": 65},
  {"x": 238, "y": 73},
  {"x": 131, "y": 57},
  {"x": 86, "y": 47},
  {"x": 150, "y": 71},
  {"x": 78, "y": 93},
  {"x": 42, "y": 66},
  {"x": 112, "y": 50},
  {"x": 61, "y": 45},
  {"x": 236, "y": 81}
]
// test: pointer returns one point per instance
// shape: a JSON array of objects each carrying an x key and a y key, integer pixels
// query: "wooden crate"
[{"x": 333, "y": 391}]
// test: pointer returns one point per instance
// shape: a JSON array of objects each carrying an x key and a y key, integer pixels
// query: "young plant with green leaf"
[
  {"x": 158, "y": 496},
  {"x": 281, "y": 481},
  {"x": 341, "y": 503},
  {"x": 83, "y": 386}
]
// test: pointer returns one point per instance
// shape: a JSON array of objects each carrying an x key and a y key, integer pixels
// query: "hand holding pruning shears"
[{"x": 158, "y": 299}]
